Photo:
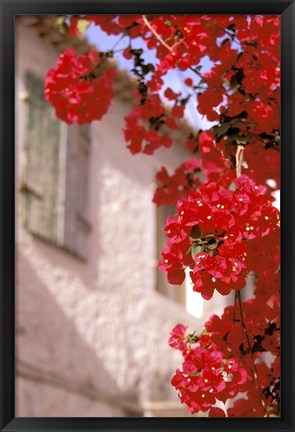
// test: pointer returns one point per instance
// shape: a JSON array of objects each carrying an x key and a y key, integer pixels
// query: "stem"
[
  {"x": 155, "y": 33},
  {"x": 239, "y": 160},
  {"x": 234, "y": 39},
  {"x": 117, "y": 42},
  {"x": 250, "y": 351},
  {"x": 197, "y": 73},
  {"x": 232, "y": 36},
  {"x": 235, "y": 308},
  {"x": 157, "y": 36},
  {"x": 120, "y": 49}
]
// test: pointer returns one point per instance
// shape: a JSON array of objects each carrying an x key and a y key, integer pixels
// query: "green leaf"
[
  {"x": 197, "y": 248},
  {"x": 222, "y": 129},
  {"x": 250, "y": 43},
  {"x": 145, "y": 69},
  {"x": 212, "y": 244},
  {"x": 242, "y": 139},
  {"x": 137, "y": 51},
  {"x": 225, "y": 80},
  {"x": 234, "y": 81},
  {"x": 232, "y": 187},
  {"x": 185, "y": 100},
  {"x": 83, "y": 25},
  {"x": 151, "y": 67},
  {"x": 196, "y": 233},
  {"x": 239, "y": 139},
  {"x": 237, "y": 123},
  {"x": 192, "y": 338},
  {"x": 196, "y": 373}
]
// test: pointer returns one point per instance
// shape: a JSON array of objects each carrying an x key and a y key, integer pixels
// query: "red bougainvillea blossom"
[
  {"x": 207, "y": 375},
  {"x": 213, "y": 233},
  {"x": 217, "y": 363},
  {"x": 142, "y": 127},
  {"x": 172, "y": 188},
  {"x": 76, "y": 90}
]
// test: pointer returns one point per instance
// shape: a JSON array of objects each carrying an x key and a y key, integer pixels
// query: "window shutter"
[
  {"x": 77, "y": 226},
  {"x": 55, "y": 177},
  {"x": 41, "y": 173}
]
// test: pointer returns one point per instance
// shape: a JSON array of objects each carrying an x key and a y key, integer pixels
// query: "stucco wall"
[{"x": 92, "y": 336}]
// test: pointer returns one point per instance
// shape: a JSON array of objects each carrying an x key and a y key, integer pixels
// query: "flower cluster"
[
  {"x": 213, "y": 233},
  {"x": 218, "y": 364},
  {"x": 260, "y": 318},
  {"x": 172, "y": 188},
  {"x": 76, "y": 90},
  {"x": 142, "y": 127},
  {"x": 243, "y": 334},
  {"x": 206, "y": 375}
]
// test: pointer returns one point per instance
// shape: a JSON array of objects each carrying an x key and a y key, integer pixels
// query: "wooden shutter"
[
  {"x": 40, "y": 181},
  {"x": 55, "y": 177},
  {"x": 77, "y": 226}
]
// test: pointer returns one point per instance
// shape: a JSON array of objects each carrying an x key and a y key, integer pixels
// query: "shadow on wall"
[{"x": 57, "y": 372}]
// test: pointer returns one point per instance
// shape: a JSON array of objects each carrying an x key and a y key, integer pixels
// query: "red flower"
[
  {"x": 206, "y": 376},
  {"x": 137, "y": 133},
  {"x": 178, "y": 185},
  {"x": 216, "y": 412},
  {"x": 177, "y": 335},
  {"x": 170, "y": 94},
  {"x": 76, "y": 91},
  {"x": 212, "y": 234}
]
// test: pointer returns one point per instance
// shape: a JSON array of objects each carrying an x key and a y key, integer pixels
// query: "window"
[
  {"x": 174, "y": 292},
  {"x": 55, "y": 175},
  {"x": 184, "y": 294}
]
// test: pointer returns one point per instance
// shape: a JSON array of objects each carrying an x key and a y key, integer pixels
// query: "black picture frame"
[{"x": 8, "y": 10}]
